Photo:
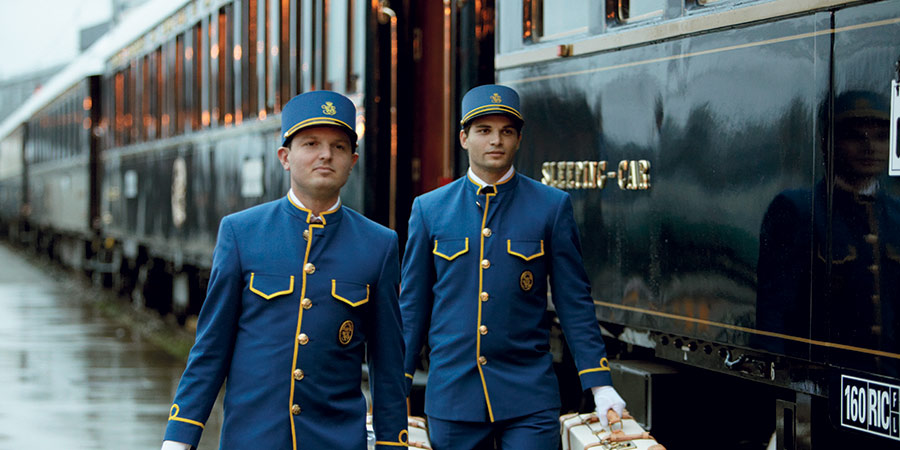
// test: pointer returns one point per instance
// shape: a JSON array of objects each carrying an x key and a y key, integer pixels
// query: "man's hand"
[
  {"x": 606, "y": 398},
  {"x": 172, "y": 445}
]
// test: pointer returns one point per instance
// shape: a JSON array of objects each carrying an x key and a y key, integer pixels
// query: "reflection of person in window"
[{"x": 849, "y": 298}]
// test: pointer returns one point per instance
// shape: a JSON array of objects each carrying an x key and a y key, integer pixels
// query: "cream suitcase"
[
  {"x": 418, "y": 432},
  {"x": 583, "y": 431}
]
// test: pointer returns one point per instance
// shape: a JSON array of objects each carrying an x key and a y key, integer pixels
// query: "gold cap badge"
[
  {"x": 496, "y": 98},
  {"x": 329, "y": 109}
]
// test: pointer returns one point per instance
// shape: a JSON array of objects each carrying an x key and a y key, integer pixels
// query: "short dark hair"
[{"x": 517, "y": 124}]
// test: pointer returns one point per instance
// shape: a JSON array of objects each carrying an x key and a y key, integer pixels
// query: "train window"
[
  {"x": 271, "y": 54},
  {"x": 357, "y": 48},
  {"x": 155, "y": 84},
  {"x": 167, "y": 113},
  {"x": 553, "y": 19},
  {"x": 628, "y": 11},
  {"x": 74, "y": 127},
  {"x": 214, "y": 72},
  {"x": 225, "y": 100},
  {"x": 59, "y": 119},
  {"x": 54, "y": 133},
  {"x": 306, "y": 29},
  {"x": 148, "y": 71},
  {"x": 119, "y": 109},
  {"x": 237, "y": 32},
  {"x": 133, "y": 97},
  {"x": 161, "y": 83},
  {"x": 287, "y": 53},
  {"x": 262, "y": 61},
  {"x": 178, "y": 85},
  {"x": 107, "y": 111},
  {"x": 194, "y": 57},
  {"x": 707, "y": 2},
  {"x": 336, "y": 31},
  {"x": 560, "y": 18},
  {"x": 249, "y": 75}
]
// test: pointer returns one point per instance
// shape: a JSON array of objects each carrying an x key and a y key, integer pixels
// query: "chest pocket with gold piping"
[
  {"x": 271, "y": 286},
  {"x": 353, "y": 294},
  {"x": 527, "y": 250},
  {"x": 450, "y": 249}
]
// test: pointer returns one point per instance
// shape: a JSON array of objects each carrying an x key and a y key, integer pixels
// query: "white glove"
[
  {"x": 172, "y": 445},
  {"x": 606, "y": 398}
]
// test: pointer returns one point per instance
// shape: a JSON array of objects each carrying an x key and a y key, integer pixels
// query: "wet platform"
[{"x": 71, "y": 378}]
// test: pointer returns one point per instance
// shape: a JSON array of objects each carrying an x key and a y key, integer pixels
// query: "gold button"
[
  {"x": 309, "y": 268},
  {"x": 871, "y": 238},
  {"x": 295, "y": 409},
  {"x": 876, "y": 299},
  {"x": 485, "y": 264},
  {"x": 483, "y": 329},
  {"x": 482, "y": 360},
  {"x": 874, "y": 268},
  {"x": 305, "y": 235},
  {"x": 303, "y": 338},
  {"x": 298, "y": 374},
  {"x": 484, "y": 296},
  {"x": 306, "y": 303},
  {"x": 486, "y": 232}
]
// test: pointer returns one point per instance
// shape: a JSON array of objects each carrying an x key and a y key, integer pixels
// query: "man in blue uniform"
[
  {"x": 294, "y": 304},
  {"x": 475, "y": 283},
  {"x": 842, "y": 236}
]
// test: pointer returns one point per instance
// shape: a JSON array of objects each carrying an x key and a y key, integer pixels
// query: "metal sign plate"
[
  {"x": 894, "y": 169},
  {"x": 870, "y": 406}
]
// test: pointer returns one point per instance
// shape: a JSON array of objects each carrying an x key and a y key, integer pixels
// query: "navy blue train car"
[{"x": 729, "y": 167}]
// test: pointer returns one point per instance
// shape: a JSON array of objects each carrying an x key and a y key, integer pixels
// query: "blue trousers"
[{"x": 538, "y": 431}]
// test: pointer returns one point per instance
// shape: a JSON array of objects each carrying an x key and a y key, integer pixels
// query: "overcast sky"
[{"x": 36, "y": 34}]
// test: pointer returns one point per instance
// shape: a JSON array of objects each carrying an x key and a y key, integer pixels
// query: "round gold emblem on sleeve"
[
  {"x": 346, "y": 332},
  {"x": 526, "y": 280}
]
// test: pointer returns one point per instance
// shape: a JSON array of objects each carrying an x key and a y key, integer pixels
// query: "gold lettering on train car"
[
  {"x": 579, "y": 174},
  {"x": 630, "y": 175},
  {"x": 645, "y": 174},
  {"x": 634, "y": 182},
  {"x": 601, "y": 174},
  {"x": 548, "y": 173},
  {"x": 560, "y": 175},
  {"x": 590, "y": 175},
  {"x": 570, "y": 175},
  {"x": 622, "y": 175}
]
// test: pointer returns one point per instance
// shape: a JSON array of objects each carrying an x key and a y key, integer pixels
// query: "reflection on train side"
[{"x": 851, "y": 303}]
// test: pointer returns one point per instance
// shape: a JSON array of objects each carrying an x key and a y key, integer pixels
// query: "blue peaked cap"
[
  {"x": 317, "y": 108},
  {"x": 490, "y": 99}
]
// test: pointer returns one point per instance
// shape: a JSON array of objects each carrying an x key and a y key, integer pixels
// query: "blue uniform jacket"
[
  {"x": 851, "y": 299},
  {"x": 290, "y": 310},
  {"x": 475, "y": 285}
]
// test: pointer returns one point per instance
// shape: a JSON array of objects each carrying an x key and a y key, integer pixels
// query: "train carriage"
[{"x": 705, "y": 146}]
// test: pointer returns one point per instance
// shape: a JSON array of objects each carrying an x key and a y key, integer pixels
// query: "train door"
[
  {"x": 428, "y": 55},
  {"x": 857, "y": 244}
]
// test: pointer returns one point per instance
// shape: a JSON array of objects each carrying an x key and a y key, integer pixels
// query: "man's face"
[
  {"x": 861, "y": 149},
  {"x": 492, "y": 143},
  {"x": 319, "y": 160}
]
